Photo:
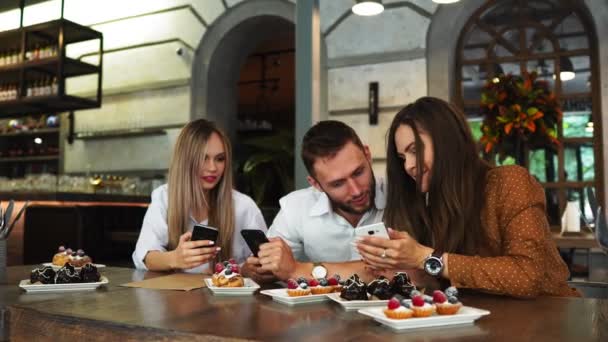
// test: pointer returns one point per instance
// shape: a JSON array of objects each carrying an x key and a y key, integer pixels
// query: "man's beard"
[{"x": 336, "y": 205}]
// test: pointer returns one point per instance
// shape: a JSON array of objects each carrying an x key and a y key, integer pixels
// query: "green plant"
[
  {"x": 518, "y": 111},
  {"x": 268, "y": 167}
]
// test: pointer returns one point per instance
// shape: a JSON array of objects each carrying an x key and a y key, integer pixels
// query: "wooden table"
[{"x": 120, "y": 313}]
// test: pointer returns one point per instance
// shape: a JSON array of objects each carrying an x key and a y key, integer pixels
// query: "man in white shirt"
[{"x": 314, "y": 232}]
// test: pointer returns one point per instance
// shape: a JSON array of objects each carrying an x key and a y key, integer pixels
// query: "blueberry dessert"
[
  {"x": 402, "y": 285},
  {"x": 67, "y": 275},
  {"x": 89, "y": 274},
  {"x": 44, "y": 275},
  {"x": 354, "y": 289},
  {"x": 380, "y": 289}
]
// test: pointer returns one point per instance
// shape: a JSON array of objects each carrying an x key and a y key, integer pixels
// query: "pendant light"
[
  {"x": 367, "y": 7},
  {"x": 566, "y": 69},
  {"x": 445, "y": 1}
]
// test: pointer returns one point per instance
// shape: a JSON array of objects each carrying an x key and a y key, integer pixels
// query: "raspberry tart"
[
  {"x": 227, "y": 275},
  {"x": 422, "y": 308},
  {"x": 295, "y": 289},
  {"x": 447, "y": 303},
  {"x": 396, "y": 310}
]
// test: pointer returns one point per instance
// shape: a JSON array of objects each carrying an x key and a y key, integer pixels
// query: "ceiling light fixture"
[
  {"x": 367, "y": 7},
  {"x": 445, "y": 1},
  {"x": 566, "y": 69}
]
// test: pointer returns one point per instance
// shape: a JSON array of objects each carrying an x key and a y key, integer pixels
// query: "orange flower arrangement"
[{"x": 516, "y": 110}]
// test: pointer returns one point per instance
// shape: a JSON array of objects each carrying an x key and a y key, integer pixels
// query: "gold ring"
[{"x": 383, "y": 255}]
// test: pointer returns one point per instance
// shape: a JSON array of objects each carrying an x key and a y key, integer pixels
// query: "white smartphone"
[{"x": 376, "y": 230}]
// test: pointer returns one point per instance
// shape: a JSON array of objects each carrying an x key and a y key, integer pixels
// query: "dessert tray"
[
  {"x": 355, "y": 304},
  {"x": 41, "y": 288},
  {"x": 249, "y": 288},
  {"x": 56, "y": 268},
  {"x": 281, "y": 296},
  {"x": 466, "y": 315}
]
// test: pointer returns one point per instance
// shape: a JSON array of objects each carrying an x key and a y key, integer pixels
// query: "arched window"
[{"x": 551, "y": 37}]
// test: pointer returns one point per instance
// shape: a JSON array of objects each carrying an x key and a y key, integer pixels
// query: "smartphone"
[
  {"x": 376, "y": 230},
  {"x": 202, "y": 232},
  {"x": 254, "y": 238}
]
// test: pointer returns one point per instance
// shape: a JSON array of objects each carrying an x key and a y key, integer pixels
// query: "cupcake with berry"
[
  {"x": 227, "y": 275},
  {"x": 447, "y": 302},
  {"x": 397, "y": 309},
  {"x": 336, "y": 283},
  {"x": 320, "y": 286},
  {"x": 297, "y": 289},
  {"x": 422, "y": 307}
]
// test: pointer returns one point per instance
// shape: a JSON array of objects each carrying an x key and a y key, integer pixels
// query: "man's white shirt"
[{"x": 315, "y": 232}]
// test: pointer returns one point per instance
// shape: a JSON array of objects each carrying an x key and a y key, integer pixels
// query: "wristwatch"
[
  {"x": 318, "y": 270},
  {"x": 433, "y": 264}
]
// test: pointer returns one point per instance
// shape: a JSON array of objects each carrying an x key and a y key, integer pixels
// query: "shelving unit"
[
  {"x": 31, "y": 151},
  {"x": 30, "y": 64}
]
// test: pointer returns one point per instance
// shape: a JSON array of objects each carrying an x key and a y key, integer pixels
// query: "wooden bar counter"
[{"x": 120, "y": 313}]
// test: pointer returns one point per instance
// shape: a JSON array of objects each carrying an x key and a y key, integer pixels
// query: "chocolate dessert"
[
  {"x": 44, "y": 275},
  {"x": 67, "y": 275},
  {"x": 402, "y": 285},
  {"x": 354, "y": 289},
  {"x": 89, "y": 274},
  {"x": 380, "y": 288}
]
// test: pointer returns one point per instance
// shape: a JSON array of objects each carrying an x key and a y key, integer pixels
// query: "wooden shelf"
[
  {"x": 60, "y": 33},
  {"x": 44, "y": 104},
  {"x": 32, "y": 132},
  {"x": 29, "y": 159}
]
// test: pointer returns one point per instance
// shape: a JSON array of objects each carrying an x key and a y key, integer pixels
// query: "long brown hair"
[
  {"x": 451, "y": 220},
  {"x": 185, "y": 189}
]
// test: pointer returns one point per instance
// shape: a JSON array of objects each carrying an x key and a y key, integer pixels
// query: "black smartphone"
[
  {"x": 201, "y": 232},
  {"x": 254, "y": 238}
]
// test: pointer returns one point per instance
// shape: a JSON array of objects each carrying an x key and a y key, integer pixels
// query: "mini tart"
[
  {"x": 337, "y": 288},
  {"x": 298, "y": 292},
  {"x": 321, "y": 289},
  {"x": 423, "y": 311},
  {"x": 60, "y": 259},
  {"x": 236, "y": 281},
  {"x": 447, "y": 308},
  {"x": 400, "y": 313}
]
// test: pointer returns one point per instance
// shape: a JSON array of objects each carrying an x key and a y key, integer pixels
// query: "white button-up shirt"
[
  {"x": 315, "y": 232},
  {"x": 154, "y": 235}
]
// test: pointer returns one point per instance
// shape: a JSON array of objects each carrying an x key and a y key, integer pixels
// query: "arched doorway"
[{"x": 220, "y": 57}]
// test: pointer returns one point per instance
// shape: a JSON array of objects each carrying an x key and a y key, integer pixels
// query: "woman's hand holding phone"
[{"x": 189, "y": 254}]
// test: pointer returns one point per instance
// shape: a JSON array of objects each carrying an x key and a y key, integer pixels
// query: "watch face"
[
  {"x": 319, "y": 272},
  {"x": 433, "y": 266}
]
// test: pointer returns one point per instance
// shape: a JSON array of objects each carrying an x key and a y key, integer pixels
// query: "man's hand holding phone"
[
  {"x": 192, "y": 253},
  {"x": 276, "y": 257}
]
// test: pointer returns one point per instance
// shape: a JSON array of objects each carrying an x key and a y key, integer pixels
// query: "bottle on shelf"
[{"x": 54, "y": 86}]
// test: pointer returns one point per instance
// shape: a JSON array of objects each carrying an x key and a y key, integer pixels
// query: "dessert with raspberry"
[
  {"x": 336, "y": 283},
  {"x": 297, "y": 289},
  {"x": 354, "y": 289},
  {"x": 227, "y": 275},
  {"x": 396, "y": 310},
  {"x": 67, "y": 255},
  {"x": 447, "y": 303},
  {"x": 421, "y": 308},
  {"x": 320, "y": 286}
]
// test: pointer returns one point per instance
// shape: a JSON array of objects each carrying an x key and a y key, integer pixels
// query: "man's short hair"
[{"x": 326, "y": 139}]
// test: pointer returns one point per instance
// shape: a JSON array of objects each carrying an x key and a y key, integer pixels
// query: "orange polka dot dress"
[{"x": 520, "y": 258}]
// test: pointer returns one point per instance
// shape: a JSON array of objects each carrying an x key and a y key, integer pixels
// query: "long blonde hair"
[{"x": 185, "y": 189}]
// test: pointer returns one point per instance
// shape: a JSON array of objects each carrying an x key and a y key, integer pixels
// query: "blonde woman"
[{"x": 199, "y": 190}]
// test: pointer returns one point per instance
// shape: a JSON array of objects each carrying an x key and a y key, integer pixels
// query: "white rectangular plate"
[
  {"x": 355, "y": 304},
  {"x": 249, "y": 288},
  {"x": 40, "y": 288},
  {"x": 281, "y": 296},
  {"x": 466, "y": 315},
  {"x": 56, "y": 268}
]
